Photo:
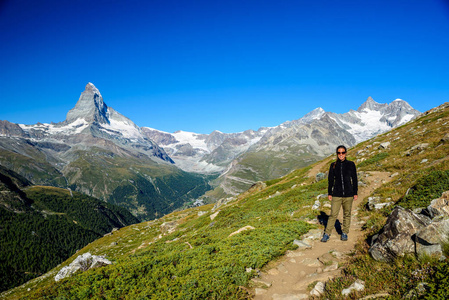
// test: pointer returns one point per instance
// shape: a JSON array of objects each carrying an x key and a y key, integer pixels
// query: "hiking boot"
[
  {"x": 325, "y": 238},
  {"x": 344, "y": 237}
]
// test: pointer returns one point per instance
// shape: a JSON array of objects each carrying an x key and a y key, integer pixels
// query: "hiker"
[{"x": 342, "y": 190}]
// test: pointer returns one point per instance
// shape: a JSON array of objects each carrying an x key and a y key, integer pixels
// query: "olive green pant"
[{"x": 336, "y": 203}]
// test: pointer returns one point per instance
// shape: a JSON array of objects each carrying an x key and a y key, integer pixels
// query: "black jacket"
[{"x": 342, "y": 179}]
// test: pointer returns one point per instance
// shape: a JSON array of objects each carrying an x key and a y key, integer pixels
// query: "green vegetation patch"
[
  {"x": 427, "y": 188},
  {"x": 32, "y": 245},
  {"x": 438, "y": 283},
  {"x": 213, "y": 268},
  {"x": 397, "y": 279},
  {"x": 372, "y": 160}
]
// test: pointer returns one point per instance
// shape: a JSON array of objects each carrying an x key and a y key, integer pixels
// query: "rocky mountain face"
[
  {"x": 91, "y": 122},
  {"x": 101, "y": 153}
]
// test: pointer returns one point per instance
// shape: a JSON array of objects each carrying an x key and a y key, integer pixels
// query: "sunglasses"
[{"x": 344, "y": 152}]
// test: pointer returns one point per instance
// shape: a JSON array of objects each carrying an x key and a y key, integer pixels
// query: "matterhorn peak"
[
  {"x": 89, "y": 107},
  {"x": 90, "y": 87}
]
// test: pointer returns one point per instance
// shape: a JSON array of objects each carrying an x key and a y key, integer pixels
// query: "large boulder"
[
  {"x": 445, "y": 138},
  {"x": 82, "y": 263},
  {"x": 407, "y": 232},
  {"x": 428, "y": 240},
  {"x": 375, "y": 203},
  {"x": 396, "y": 236}
]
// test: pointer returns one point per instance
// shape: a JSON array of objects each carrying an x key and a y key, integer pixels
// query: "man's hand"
[
  {"x": 355, "y": 197},
  {"x": 330, "y": 197}
]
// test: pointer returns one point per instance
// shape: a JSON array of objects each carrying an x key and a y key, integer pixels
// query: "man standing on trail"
[{"x": 342, "y": 190}]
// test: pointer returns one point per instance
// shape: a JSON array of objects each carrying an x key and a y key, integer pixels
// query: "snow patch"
[
  {"x": 185, "y": 137},
  {"x": 73, "y": 128},
  {"x": 128, "y": 130}
]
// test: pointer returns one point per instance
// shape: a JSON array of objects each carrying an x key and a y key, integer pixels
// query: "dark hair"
[{"x": 336, "y": 150}]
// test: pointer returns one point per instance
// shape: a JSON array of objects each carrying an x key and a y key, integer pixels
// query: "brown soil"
[{"x": 290, "y": 276}]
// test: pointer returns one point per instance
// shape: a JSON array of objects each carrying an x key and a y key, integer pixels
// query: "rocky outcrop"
[
  {"x": 407, "y": 232},
  {"x": 396, "y": 237},
  {"x": 82, "y": 263},
  {"x": 10, "y": 129},
  {"x": 384, "y": 145}
]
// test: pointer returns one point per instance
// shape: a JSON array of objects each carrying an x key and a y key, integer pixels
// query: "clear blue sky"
[{"x": 225, "y": 65}]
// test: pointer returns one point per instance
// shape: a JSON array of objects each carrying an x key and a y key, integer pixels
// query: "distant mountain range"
[
  {"x": 100, "y": 152},
  {"x": 247, "y": 157}
]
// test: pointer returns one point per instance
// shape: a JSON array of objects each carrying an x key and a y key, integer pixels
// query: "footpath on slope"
[{"x": 289, "y": 277}]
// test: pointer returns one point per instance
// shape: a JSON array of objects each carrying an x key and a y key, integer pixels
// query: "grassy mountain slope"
[
  {"x": 136, "y": 182},
  {"x": 43, "y": 226},
  {"x": 144, "y": 187},
  {"x": 192, "y": 254},
  {"x": 259, "y": 166},
  {"x": 22, "y": 157}
]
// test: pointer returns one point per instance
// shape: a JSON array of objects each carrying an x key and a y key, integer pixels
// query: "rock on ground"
[{"x": 82, "y": 263}]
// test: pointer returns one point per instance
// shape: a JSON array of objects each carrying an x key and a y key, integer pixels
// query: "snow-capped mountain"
[
  {"x": 102, "y": 153},
  {"x": 204, "y": 153},
  {"x": 92, "y": 118},
  {"x": 372, "y": 118}
]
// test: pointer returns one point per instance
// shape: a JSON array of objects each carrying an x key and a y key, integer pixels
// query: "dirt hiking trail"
[{"x": 289, "y": 277}]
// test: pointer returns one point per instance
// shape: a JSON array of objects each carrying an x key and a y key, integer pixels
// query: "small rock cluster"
[
  {"x": 416, "y": 149},
  {"x": 375, "y": 203}
]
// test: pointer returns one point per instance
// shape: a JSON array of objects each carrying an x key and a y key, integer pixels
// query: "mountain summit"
[
  {"x": 89, "y": 107},
  {"x": 370, "y": 104}
]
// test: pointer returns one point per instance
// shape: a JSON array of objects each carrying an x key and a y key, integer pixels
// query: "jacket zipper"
[{"x": 342, "y": 182}]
